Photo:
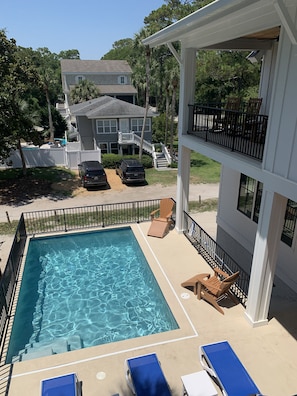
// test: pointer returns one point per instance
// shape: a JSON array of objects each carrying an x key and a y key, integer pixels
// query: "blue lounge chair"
[
  {"x": 221, "y": 362},
  {"x": 145, "y": 376},
  {"x": 65, "y": 385}
]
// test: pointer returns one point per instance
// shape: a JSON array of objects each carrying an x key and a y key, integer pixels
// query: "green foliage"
[
  {"x": 83, "y": 91},
  {"x": 60, "y": 125},
  {"x": 109, "y": 160},
  {"x": 207, "y": 205},
  {"x": 69, "y": 54},
  {"x": 161, "y": 129},
  {"x": 16, "y": 76},
  {"x": 222, "y": 73},
  {"x": 121, "y": 50}
]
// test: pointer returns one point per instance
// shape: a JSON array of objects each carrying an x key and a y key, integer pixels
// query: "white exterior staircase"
[{"x": 161, "y": 159}]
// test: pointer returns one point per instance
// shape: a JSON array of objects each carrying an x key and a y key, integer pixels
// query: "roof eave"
[{"x": 204, "y": 15}]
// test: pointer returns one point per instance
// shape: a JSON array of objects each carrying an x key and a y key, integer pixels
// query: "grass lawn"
[{"x": 203, "y": 170}]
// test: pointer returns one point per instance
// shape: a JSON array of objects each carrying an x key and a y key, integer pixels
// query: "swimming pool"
[{"x": 83, "y": 290}]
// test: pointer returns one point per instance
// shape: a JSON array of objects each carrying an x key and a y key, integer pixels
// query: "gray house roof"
[
  {"x": 95, "y": 66},
  {"x": 108, "y": 107}
]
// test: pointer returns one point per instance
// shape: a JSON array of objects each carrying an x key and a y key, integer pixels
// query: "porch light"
[{"x": 255, "y": 56}]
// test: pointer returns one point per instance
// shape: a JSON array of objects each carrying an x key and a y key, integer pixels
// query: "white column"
[
  {"x": 187, "y": 95},
  {"x": 183, "y": 181},
  {"x": 270, "y": 226}
]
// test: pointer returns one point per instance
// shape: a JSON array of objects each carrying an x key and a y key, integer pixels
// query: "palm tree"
[
  {"x": 24, "y": 123},
  {"x": 147, "y": 97},
  {"x": 83, "y": 91}
]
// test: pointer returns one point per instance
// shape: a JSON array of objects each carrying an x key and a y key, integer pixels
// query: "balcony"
[{"x": 237, "y": 131}]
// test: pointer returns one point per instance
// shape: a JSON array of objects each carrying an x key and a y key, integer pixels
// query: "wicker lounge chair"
[
  {"x": 213, "y": 288},
  {"x": 161, "y": 219}
]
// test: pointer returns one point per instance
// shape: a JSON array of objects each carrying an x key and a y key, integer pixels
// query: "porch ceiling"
[{"x": 258, "y": 40}]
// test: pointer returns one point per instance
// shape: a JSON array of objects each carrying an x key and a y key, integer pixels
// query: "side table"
[{"x": 198, "y": 384}]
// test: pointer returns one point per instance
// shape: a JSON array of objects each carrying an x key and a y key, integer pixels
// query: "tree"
[
  {"x": 69, "y": 54},
  {"x": 83, "y": 91},
  {"x": 15, "y": 77},
  {"x": 48, "y": 73},
  {"x": 147, "y": 97},
  {"x": 121, "y": 50},
  {"x": 224, "y": 73}
]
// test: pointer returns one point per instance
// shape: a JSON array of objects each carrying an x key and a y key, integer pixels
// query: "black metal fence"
[
  {"x": 215, "y": 256},
  {"x": 63, "y": 220},
  {"x": 235, "y": 130},
  {"x": 9, "y": 277}
]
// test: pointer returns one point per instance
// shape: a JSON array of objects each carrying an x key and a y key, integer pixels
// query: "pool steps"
[{"x": 41, "y": 349}]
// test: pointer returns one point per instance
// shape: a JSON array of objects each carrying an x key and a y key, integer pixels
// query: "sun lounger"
[
  {"x": 65, "y": 385},
  {"x": 145, "y": 376},
  {"x": 221, "y": 362}
]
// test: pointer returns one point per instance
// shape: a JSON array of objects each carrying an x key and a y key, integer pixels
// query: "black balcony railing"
[
  {"x": 215, "y": 256},
  {"x": 63, "y": 220},
  {"x": 235, "y": 130}
]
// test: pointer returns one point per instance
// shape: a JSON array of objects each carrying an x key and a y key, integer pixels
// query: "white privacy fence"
[{"x": 68, "y": 157}]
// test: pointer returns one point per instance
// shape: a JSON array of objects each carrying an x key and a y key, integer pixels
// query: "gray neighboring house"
[
  {"x": 111, "y": 77},
  {"x": 112, "y": 125}
]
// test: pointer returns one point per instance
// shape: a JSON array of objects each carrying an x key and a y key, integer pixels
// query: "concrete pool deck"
[{"x": 269, "y": 353}]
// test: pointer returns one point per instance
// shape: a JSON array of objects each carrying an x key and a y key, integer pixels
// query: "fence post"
[
  {"x": 65, "y": 222},
  {"x": 102, "y": 215}
]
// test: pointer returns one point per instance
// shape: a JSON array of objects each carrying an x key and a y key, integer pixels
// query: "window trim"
[
  {"x": 107, "y": 124},
  {"x": 256, "y": 203},
  {"x": 137, "y": 127}
]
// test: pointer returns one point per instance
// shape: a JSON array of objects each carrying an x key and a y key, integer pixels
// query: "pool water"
[{"x": 83, "y": 290}]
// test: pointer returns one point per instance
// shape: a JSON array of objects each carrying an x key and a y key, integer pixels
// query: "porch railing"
[
  {"x": 132, "y": 137},
  {"x": 235, "y": 130},
  {"x": 63, "y": 220},
  {"x": 216, "y": 256}
]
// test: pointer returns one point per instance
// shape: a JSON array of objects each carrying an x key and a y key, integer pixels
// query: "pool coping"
[{"x": 186, "y": 328}]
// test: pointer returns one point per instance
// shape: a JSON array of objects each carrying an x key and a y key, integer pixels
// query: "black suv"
[
  {"x": 92, "y": 174},
  {"x": 130, "y": 171}
]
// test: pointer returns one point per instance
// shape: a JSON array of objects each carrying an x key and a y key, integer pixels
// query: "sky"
[{"x": 89, "y": 26}]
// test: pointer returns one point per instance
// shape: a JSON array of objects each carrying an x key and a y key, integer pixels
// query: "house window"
[
  {"x": 79, "y": 79},
  {"x": 103, "y": 147},
  {"x": 106, "y": 126},
  {"x": 114, "y": 148},
  {"x": 136, "y": 124},
  {"x": 122, "y": 79},
  {"x": 246, "y": 195},
  {"x": 249, "y": 201},
  {"x": 289, "y": 223}
]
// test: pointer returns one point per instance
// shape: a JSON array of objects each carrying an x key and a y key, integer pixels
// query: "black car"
[
  {"x": 92, "y": 174},
  {"x": 130, "y": 171}
]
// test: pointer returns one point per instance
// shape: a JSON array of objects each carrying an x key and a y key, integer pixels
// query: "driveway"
[{"x": 117, "y": 192}]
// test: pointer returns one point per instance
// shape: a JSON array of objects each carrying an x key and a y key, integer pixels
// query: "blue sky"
[{"x": 90, "y": 26}]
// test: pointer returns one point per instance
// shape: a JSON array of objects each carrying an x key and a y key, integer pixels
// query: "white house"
[{"x": 258, "y": 187}]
